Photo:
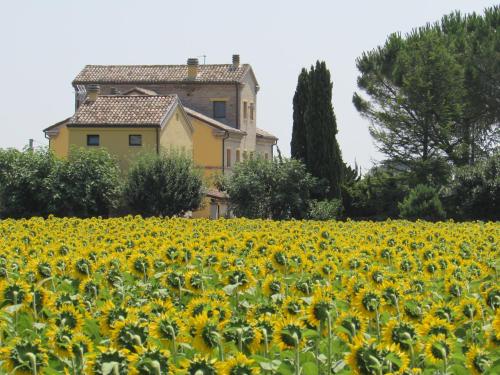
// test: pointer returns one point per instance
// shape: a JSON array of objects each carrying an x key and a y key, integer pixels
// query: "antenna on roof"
[{"x": 204, "y": 58}]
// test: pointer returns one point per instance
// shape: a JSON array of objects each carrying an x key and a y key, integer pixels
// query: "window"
[
  {"x": 266, "y": 156},
  {"x": 219, "y": 109},
  {"x": 245, "y": 109},
  {"x": 245, "y": 155},
  {"x": 237, "y": 156},
  {"x": 228, "y": 158},
  {"x": 135, "y": 140},
  {"x": 252, "y": 109},
  {"x": 92, "y": 140}
]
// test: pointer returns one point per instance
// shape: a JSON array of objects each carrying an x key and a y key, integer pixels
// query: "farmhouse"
[{"x": 207, "y": 111}]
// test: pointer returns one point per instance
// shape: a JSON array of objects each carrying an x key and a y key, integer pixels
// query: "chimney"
[
  {"x": 93, "y": 91},
  {"x": 192, "y": 64},
  {"x": 236, "y": 61}
]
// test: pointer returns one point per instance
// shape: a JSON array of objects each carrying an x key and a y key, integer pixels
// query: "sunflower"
[
  {"x": 130, "y": 334},
  {"x": 292, "y": 306},
  {"x": 199, "y": 365},
  {"x": 167, "y": 328},
  {"x": 139, "y": 265},
  {"x": 68, "y": 316},
  {"x": 401, "y": 333},
  {"x": 150, "y": 361},
  {"x": 288, "y": 333},
  {"x": 445, "y": 311},
  {"x": 272, "y": 285},
  {"x": 238, "y": 365},
  {"x": 206, "y": 333},
  {"x": 194, "y": 281},
  {"x": 319, "y": 309},
  {"x": 14, "y": 293},
  {"x": 492, "y": 297},
  {"x": 240, "y": 277},
  {"x": 60, "y": 340},
  {"x": 470, "y": 309},
  {"x": 243, "y": 334},
  {"x": 394, "y": 361},
  {"x": 478, "y": 360},
  {"x": 438, "y": 348},
  {"x": 433, "y": 326},
  {"x": 24, "y": 357},
  {"x": 368, "y": 302},
  {"x": 82, "y": 268},
  {"x": 350, "y": 325},
  {"x": 363, "y": 356},
  {"x": 117, "y": 358},
  {"x": 110, "y": 314}
]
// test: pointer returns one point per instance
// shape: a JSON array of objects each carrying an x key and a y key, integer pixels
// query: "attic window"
[
  {"x": 219, "y": 109},
  {"x": 135, "y": 140},
  {"x": 92, "y": 140}
]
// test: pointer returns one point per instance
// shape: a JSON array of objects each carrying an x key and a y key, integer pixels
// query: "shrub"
[
  {"x": 422, "y": 203},
  {"x": 274, "y": 189},
  {"x": 23, "y": 182},
  {"x": 474, "y": 192},
  {"x": 86, "y": 184},
  {"x": 325, "y": 210},
  {"x": 163, "y": 185}
]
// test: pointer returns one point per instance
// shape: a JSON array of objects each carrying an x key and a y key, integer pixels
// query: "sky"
[{"x": 44, "y": 44}]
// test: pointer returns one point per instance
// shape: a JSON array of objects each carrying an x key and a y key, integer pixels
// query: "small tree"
[
  {"x": 474, "y": 192},
  {"x": 275, "y": 189},
  {"x": 23, "y": 182},
  {"x": 422, "y": 203},
  {"x": 163, "y": 185},
  {"x": 325, "y": 210},
  {"x": 86, "y": 184}
]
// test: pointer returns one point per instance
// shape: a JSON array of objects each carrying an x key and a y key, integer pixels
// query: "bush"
[
  {"x": 325, "y": 210},
  {"x": 87, "y": 184},
  {"x": 474, "y": 192},
  {"x": 163, "y": 185},
  {"x": 273, "y": 189},
  {"x": 24, "y": 179},
  {"x": 422, "y": 203}
]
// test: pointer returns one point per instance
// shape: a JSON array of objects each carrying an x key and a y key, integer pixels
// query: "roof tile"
[
  {"x": 124, "y": 110},
  {"x": 210, "y": 73}
]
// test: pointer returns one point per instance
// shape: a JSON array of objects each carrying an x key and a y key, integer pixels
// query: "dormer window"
[
  {"x": 245, "y": 110},
  {"x": 219, "y": 110},
  {"x": 252, "y": 109},
  {"x": 92, "y": 140}
]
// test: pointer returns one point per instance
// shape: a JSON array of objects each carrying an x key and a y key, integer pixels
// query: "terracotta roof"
[
  {"x": 263, "y": 134},
  {"x": 214, "y": 73},
  {"x": 57, "y": 124},
  {"x": 213, "y": 122},
  {"x": 124, "y": 110},
  {"x": 140, "y": 91},
  {"x": 215, "y": 193}
]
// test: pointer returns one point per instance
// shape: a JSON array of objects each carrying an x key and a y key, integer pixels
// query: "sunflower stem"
[
  {"x": 377, "y": 316},
  {"x": 297, "y": 354},
  {"x": 32, "y": 359},
  {"x": 329, "y": 349}
]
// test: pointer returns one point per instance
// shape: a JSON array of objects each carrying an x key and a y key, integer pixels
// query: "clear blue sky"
[{"x": 45, "y": 43}]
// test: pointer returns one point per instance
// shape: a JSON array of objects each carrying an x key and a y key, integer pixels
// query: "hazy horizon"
[{"x": 45, "y": 44}]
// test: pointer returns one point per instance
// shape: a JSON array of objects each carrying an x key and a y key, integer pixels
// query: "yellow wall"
[
  {"x": 59, "y": 144},
  {"x": 207, "y": 148},
  {"x": 177, "y": 135},
  {"x": 116, "y": 141}
]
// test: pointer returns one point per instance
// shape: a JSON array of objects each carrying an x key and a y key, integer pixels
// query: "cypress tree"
[
  {"x": 324, "y": 159},
  {"x": 298, "y": 144}
]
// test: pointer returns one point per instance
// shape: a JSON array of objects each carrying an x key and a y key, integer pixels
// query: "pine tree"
[
  {"x": 298, "y": 144},
  {"x": 324, "y": 159}
]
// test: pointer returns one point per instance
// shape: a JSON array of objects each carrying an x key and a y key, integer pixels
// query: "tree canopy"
[{"x": 435, "y": 92}]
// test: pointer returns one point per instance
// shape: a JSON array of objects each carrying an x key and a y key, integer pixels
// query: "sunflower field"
[{"x": 176, "y": 296}]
